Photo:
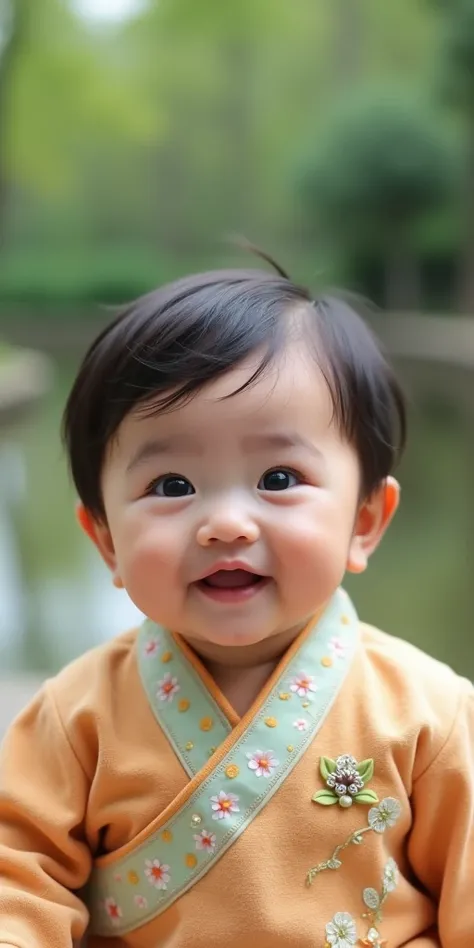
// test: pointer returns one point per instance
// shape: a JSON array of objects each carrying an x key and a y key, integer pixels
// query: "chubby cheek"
[
  {"x": 312, "y": 553},
  {"x": 148, "y": 562}
]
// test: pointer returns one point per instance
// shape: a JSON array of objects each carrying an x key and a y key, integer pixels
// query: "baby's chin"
[{"x": 233, "y": 638}]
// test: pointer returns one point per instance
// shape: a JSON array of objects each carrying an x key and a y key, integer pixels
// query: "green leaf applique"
[{"x": 325, "y": 797}]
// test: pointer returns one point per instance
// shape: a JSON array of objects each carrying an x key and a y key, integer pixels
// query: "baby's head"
[{"x": 231, "y": 442}]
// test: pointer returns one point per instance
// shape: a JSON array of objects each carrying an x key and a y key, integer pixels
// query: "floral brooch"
[{"x": 345, "y": 781}]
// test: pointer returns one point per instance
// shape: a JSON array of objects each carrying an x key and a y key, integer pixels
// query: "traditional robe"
[{"x": 137, "y": 809}]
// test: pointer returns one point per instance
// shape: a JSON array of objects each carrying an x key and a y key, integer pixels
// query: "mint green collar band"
[{"x": 235, "y": 771}]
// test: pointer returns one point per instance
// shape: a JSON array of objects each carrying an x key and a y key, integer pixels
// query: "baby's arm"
[
  {"x": 44, "y": 855},
  {"x": 441, "y": 848}
]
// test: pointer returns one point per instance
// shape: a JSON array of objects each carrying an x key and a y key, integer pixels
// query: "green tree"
[
  {"x": 180, "y": 126},
  {"x": 235, "y": 84},
  {"x": 62, "y": 96},
  {"x": 12, "y": 27},
  {"x": 379, "y": 168},
  {"x": 455, "y": 65}
]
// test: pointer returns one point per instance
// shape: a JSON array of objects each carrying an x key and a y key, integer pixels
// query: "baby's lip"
[{"x": 230, "y": 565}]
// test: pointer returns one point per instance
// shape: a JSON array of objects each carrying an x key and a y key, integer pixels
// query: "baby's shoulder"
[
  {"x": 422, "y": 697},
  {"x": 396, "y": 657},
  {"x": 98, "y": 678}
]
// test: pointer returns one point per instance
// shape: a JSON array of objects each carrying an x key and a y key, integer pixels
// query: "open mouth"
[
  {"x": 231, "y": 579},
  {"x": 231, "y": 584}
]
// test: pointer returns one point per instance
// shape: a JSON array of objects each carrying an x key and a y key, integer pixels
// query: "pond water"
[{"x": 57, "y": 600}]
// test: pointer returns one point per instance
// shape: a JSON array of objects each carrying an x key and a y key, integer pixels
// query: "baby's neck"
[
  {"x": 241, "y": 673},
  {"x": 244, "y": 657},
  {"x": 241, "y": 686}
]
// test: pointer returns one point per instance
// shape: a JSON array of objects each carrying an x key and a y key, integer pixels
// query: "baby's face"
[{"x": 234, "y": 519}]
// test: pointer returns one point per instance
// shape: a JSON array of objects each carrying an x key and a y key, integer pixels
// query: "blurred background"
[{"x": 135, "y": 137}]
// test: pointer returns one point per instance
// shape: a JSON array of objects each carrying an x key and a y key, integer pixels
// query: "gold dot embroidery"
[
  {"x": 232, "y": 771},
  {"x": 326, "y": 661},
  {"x": 183, "y": 705},
  {"x": 305, "y": 704},
  {"x": 345, "y": 620},
  {"x": 206, "y": 724},
  {"x": 190, "y": 860},
  {"x": 290, "y": 748},
  {"x": 133, "y": 877},
  {"x": 196, "y": 820},
  {"x": 284, "y": 696},
  {"x": 271, "y": 722},
  {"x": 189, "y": 746},
  {"x": 166, "y": 657},
  {"x": 212, "y": 750},
  {"x": 167, "y": 836}
]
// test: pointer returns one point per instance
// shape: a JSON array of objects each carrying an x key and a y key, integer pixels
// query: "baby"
[{"x": 253, "y": 764}]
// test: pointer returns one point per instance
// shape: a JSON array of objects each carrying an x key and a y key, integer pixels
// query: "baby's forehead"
[{"x": 290, "y": 394}]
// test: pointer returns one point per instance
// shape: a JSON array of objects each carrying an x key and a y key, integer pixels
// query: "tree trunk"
[
  {"x": 349, "y": 33},
  {"x": 402, "y": 279},
  {"x": 12, "y": 25},
  {"x": 237, "y": 66},
  {"x": 466, "y": 281}
]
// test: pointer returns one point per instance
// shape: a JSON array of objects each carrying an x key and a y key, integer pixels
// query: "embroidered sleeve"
[
  {"x": 441, "y": 847},
  {"x": 43, "y": 853}
]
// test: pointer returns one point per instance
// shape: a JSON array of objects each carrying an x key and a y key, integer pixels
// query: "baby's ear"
[
  {"x": 373, "y": 518},
  {"x": 99, "y": 533}
]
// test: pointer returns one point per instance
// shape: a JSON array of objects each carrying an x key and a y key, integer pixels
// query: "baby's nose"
[{"x": 227, "y": 524}]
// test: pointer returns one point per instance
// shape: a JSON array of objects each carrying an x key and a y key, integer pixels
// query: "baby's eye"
[
  {"x": 172, "y": 485},
  {"x": 279, "y": 479}
]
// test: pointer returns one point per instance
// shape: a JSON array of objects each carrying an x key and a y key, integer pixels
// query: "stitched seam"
[
  {"x": 445, "y": 742},
  {"x": 49, "y": 691}
]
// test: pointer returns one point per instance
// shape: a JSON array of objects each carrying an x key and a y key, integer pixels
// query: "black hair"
[{"x": 164, "y": 347}]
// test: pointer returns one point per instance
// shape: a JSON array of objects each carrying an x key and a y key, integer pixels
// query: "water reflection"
[
  {"x": 12, "y": 600},
  {"x": 59, "y": 607},
  {"x": 56, "y": 596}
]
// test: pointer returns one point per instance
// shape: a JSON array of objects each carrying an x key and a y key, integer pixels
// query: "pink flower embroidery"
[
  {"x": 113, "y": 911},
  {"x": 338, "y": 647},
  {"x": 151, "y": 647},
  {"x": 302, "y": 684},
  {"x": 223, "y": 805},
  {"x": 301, "y": 724},
  {"x": 263, "y": 763},
  {"x": 167, "y": 687},
  {"x": 205, "y": 841},
  {"x": 141, "y": 902},
  {"x": 157, "y": 873}
]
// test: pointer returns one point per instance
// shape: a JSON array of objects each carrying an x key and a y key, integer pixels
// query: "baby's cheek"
[
  {"x": 150, "y": 559},
  {"x": 312, "y": 554},
  {"x": 303, "y": 533}
]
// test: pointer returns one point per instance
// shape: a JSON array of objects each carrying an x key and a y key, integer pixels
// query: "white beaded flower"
[
  {"x": 385, "y": 815},
  {"x": 342, "y": 931}
]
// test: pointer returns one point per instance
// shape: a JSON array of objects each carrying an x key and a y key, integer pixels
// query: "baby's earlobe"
[{"x": 357, "y": 560}]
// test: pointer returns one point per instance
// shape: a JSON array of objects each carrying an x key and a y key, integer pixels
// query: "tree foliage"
[
  {"x": 455, "y": 75},
  {"x": 455, "y": 53},
  {"x": 61, "y": 93},
  {"x": 169, "y": 132},
  {"x": 380, "y": 165}
]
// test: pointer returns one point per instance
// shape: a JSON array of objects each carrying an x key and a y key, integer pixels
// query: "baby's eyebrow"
[
  {"x": 187, "y": 443},
  {"x": 280, "y": 440},
  {"x": 156, "y": 447}
]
